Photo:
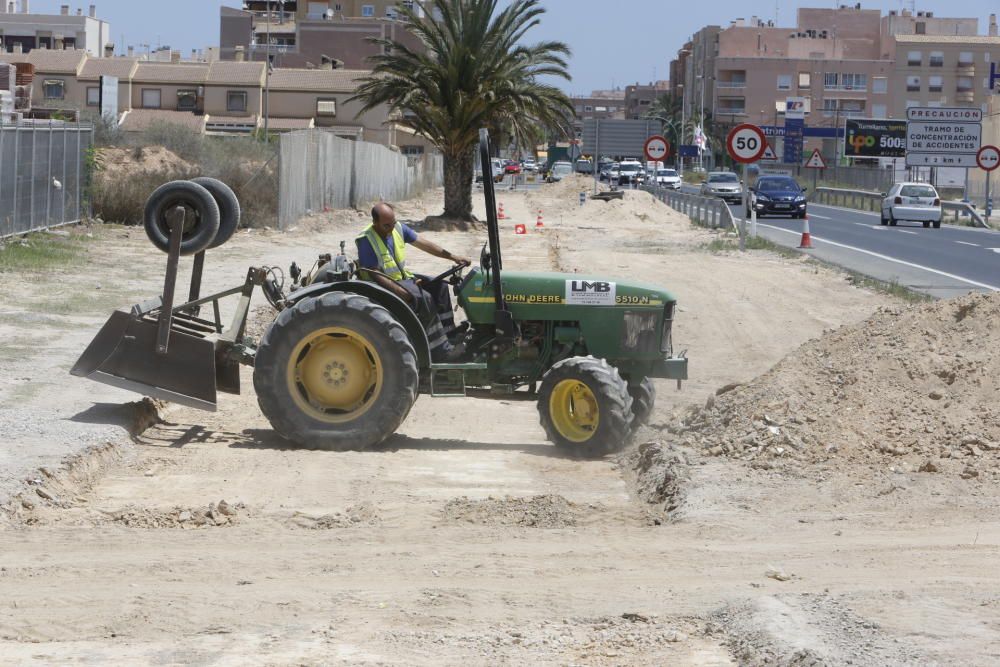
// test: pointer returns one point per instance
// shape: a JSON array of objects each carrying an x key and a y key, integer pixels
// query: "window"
[
  {"x": 93, "y": 96},
  {"x": 236, "y": 100},
  {"x": 965, "y": 59},
  {"x": 934, "y": 105},
  {"x": 964, "y": 84},
  {"x": 913, "y": 84},
  {"x": 915, "y": 58},
  {"x": 878, "y": 111},
  {"x": 784, "y": 82},
  {"x": 880, "y": 84},
  {"x": 854, "y": 81},
  {"x": 805, "y": 80},
  {"x": 368, "y": 11},
  {"x": 326, "y": 107},
  {"x": 612, "y": 109},
  {"x": 411, "y": 151},
  {"x": 600, "y": 109},
  {"x": 937, "y": 59},
  {"x": 921, "y": 28},
  {"x": 150, "y": 98},
  {"x": 912, "y": 103},
  {"x": 408, "y": 4},
  {"x": 831, "y": 80},
  {"x": 390, "y": 12},
  {"x": 55, "y": 89},
  {"x": 187, "y": 100},
  {"x": 588, "y": 109},
  {"x": 829, "y": 104},
  {"x": 579, "y": 108},
  {"x": 935, "y": 84}
]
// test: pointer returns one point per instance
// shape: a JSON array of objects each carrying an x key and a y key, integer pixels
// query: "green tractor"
[{"x": 344, "y": 359}]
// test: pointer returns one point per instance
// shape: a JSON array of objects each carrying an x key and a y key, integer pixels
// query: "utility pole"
[
  {"x": 701, "y": 121},
  {"x": 267, "y": 72},
  {"x": 680, "y": 158}
]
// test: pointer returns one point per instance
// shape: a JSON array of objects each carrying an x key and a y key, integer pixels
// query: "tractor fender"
[{"x": 383, "y": 297}]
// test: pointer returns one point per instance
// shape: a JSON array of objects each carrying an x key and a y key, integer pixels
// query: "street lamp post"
[{"x": 680, "y": 158}]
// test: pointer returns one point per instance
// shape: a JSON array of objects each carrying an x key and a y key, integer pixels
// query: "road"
[{"x": 942, "y": 262}]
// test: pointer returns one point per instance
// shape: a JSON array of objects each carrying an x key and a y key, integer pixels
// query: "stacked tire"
[{"x": 211, "y": 214}]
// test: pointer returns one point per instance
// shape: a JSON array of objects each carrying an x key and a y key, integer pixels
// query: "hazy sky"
[{"x": 614, "y": 41}]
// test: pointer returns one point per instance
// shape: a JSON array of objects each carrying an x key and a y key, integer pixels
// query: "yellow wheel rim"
[
  {"x": 334, "y": 375},
  {"x": 574, "y": 410}
]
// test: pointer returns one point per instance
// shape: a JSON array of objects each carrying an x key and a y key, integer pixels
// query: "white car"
[
  {"x": 529, "y": 164},
  {"x": 668, "y": 178},
  {"x": 559, "y": 171},
  {"x": 914, "y": 202}
]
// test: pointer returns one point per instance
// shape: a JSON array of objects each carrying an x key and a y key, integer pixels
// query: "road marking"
[
  {"x": 894, "y": 260},
  {"x": 974, "y": 245},
  {"x": 821, "y": 217},
  {"x": 903, "y": 231}
]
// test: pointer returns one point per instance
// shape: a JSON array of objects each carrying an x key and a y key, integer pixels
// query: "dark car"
[{"x": 774, "y": 195}]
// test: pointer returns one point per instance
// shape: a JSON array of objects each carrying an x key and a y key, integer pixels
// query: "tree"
[{"x": 473, "y": 71}]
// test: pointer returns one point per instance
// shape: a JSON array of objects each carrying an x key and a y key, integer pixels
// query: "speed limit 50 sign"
[{"x": 746, "y": 143}]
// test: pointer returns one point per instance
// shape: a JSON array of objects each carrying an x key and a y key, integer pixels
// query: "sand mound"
[
  {"x": 547, "y": 511},
  {"x": 920, "y": 384},
  {"x": 123, "y": 162}
]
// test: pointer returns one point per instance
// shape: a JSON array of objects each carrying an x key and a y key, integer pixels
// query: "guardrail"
[
  {"x": 709, "y": 212},
  {"x": 865, "y": 200}
]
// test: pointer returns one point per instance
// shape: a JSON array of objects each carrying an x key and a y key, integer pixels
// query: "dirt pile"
[
  {"x": 362, "y": 514},
  {"x": 124, "y": 162},
  {"x": 215, "y": 514},
  {"x": 547, "y": 511},
  {"x": 918, "y": 384}
]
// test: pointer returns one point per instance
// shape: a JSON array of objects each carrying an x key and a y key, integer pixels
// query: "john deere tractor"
[{"x": 344, "y": 359}]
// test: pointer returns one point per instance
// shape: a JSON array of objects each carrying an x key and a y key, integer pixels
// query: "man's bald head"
[{"x": 383, "y": 219}]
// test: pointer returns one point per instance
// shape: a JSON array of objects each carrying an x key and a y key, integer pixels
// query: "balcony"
[
  {"x": 966, "y": 69},
  {"x": 733, "y": 84},
  {"x": 845, "y": 89},
  {"x": 731, "y": 111},
  {"x": 965, "y": 96}
]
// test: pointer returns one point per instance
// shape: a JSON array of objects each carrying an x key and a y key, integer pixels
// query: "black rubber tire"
[
  {"x": 892, "y": 220},
  {"x": 229, "y": 208},
  {"x": 643, "y": 399},
  {"x": 199, "y": 233},
  {"x": 937, "y": 224},
  {"x": 383, "y": 332},
  {"x": 927, "y": 224},
  {"x": 884, "y": 220},
  {"x": 614, "y": 428}
]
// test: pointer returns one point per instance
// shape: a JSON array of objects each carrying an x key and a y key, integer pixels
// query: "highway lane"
[{"x": 942, "y": 262}]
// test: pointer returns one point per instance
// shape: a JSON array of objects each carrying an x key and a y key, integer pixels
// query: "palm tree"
[{"x": 471, "y": 72}]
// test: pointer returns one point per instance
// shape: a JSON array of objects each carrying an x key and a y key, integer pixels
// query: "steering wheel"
[
  {"x": 449, "y": 273},
  {"x": 484, "y": 258}
]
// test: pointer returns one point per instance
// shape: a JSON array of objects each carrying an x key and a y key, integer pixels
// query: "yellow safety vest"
[{"x": 394, "y": 267}]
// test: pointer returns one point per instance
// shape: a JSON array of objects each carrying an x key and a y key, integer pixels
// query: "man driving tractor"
[{"x": 382, "y": 260}]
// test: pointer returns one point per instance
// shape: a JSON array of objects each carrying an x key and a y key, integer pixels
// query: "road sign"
[
  {"x": 988, "y": 158},
  {"x": 943, "y": 137},
  {"x": 574, "y": 150},
  {"x": 769, "y": 154},
  {"x": 815, "y": 160},
  {"x": 656, "y": 148},
  {"x": 746, "y": 143}
]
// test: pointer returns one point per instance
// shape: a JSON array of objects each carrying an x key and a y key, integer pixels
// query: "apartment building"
[
  {"x": 22, "y": 30},
  {"x": 601, "y": 104},
  {"x": 310, "y": 34},
  {"x": 212, "y": 97},
  {"x": 943, "y": 71},
  {"x": 640, "y": 97}
]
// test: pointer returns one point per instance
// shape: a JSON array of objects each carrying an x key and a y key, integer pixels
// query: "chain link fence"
[
  {"x": 43, "y": 175},
  {"x": 319, "y": 171}
]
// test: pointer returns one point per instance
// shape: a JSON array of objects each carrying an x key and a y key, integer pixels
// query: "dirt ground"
[{"x": 466, "y": 538}]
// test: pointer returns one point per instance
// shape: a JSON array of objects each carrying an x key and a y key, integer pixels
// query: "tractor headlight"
[{"x": 666, "y": 338}]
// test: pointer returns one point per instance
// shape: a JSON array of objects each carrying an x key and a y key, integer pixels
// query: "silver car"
[
  {"x": 725, "y": 185},
  {"x": 916, "y": 202}
]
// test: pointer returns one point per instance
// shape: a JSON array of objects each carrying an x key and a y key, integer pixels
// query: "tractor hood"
[{"x": 571, "y": 290}]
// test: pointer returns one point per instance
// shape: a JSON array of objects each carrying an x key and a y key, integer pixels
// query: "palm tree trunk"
[{"x": 458, "y": 174}]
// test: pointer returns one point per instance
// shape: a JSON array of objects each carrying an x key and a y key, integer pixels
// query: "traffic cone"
[
  {"x": 520, "y": 230},
  {"x": 500, "y": 215},
  {"x": 806, "y": 240},
  {"x": 538, "y": 221}
]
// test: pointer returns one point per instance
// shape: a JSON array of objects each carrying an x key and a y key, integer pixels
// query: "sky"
[{"x": 614, "y": 42}]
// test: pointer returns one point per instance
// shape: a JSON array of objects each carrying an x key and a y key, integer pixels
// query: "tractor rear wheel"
[
  {"x": 585, "y": 407},
  {"x": 643, "y": 400},
  {"x": 336, "y": 372}
]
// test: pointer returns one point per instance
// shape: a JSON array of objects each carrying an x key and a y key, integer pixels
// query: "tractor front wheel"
[
  {"x": 336, "y": 372},
  {"x": 643, "y": 400},
  {"x": 585, "y": 407}
]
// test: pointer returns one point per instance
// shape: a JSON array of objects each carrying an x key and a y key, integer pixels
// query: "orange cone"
[
  {"x": 500, "y": 215},
  {"x": 538, "y": 221},
  {"x": 520, "y": 230},
  {"x": 806, "y": 240}
]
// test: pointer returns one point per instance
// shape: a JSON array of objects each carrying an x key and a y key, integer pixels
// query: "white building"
[{"x": 22, "y": 30}]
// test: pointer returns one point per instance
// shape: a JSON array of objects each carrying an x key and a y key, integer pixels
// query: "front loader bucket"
[{"x": 123, "y": 354}]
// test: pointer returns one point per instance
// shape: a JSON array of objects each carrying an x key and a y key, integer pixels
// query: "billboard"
[
  {"x": 616, "y": 137},
  {"x": 873, "y": 138},
  {"x": 795, "y": 108}
]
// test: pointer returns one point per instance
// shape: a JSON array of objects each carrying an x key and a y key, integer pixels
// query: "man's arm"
[{"x": 434, "y": 249}]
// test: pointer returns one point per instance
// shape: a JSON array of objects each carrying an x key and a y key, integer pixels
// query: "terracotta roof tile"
[
  {"x": 48, "y": 61},
  {"x": 251, "y": 74},
  {"x": 319, "y": 80},
  {"x": 95, "y": 68},
  {"x": 147, "y": 72}
]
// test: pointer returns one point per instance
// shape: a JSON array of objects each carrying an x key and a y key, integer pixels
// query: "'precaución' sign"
[{"x": 590, "y": 293}]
